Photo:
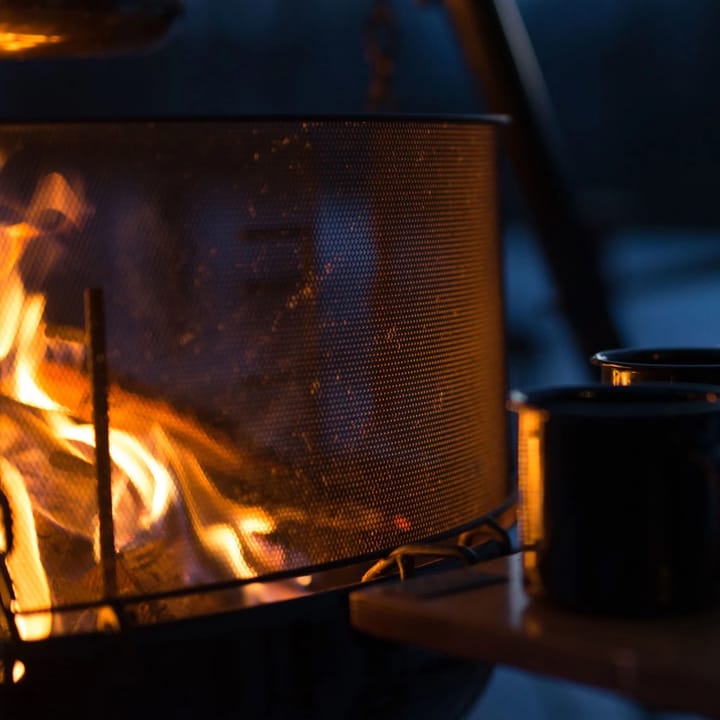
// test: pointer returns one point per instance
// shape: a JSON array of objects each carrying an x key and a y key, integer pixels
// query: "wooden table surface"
[{"x": 483, "y": 613}]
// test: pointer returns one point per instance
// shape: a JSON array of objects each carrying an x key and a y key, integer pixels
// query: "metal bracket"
[
  {"x": 405, "y": 556},
  {"x": 485, "y": 531}
]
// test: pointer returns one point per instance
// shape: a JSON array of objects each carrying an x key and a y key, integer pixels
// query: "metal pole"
[
  {"x": 97, "y": 366},
  {"x": 500, "y": 55}
]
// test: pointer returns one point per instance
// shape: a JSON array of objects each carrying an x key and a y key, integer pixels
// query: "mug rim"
[
  {"x": 658, "y": 357},
  {"x": 655, "y": 399}
]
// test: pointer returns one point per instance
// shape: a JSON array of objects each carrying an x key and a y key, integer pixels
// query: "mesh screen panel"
[{"x": 305, "y": 342}]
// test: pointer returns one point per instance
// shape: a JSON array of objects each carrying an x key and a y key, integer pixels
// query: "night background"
[{"x": 633, "y": 87}]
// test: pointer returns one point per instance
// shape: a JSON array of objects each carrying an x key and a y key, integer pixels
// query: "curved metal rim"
[
  {"x": 328, "y": 118},
  {"x": 647, "y": 397},
  {"x": 640, "y": 358}
]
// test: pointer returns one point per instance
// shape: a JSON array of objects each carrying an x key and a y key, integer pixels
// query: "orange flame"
[{"x": 152, "y": 473}]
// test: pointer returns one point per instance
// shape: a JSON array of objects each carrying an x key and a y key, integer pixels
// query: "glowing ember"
[
  {"x": 163, "y": 499},
  {"x": 14, "y": 42}
]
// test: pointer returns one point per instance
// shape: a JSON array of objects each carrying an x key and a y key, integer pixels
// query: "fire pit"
[{"x": 237, "y": 361}]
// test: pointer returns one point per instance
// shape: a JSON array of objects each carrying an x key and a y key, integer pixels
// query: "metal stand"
[{"x": 500, "y": 56}]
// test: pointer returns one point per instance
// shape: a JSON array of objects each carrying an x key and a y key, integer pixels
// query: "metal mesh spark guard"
[{"x": 304, "y": 340}]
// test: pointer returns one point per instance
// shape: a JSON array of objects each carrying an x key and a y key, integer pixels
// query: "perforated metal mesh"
[{"x": 305, "y": 333}]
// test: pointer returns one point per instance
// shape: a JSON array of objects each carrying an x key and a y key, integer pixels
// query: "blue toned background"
[{"x": 633, "y": 86}]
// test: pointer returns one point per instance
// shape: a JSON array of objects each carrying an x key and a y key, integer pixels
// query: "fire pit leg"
[{"x": 97, "y": 366}]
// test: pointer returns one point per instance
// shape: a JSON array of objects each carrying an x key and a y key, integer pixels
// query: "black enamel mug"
[{"x": 619, "y": 496}]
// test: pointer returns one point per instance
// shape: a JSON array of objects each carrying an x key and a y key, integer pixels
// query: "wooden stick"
[{"x": 97, "y": 367}]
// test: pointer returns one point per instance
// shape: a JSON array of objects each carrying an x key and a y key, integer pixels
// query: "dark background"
[{"x": 632, "y": 83}]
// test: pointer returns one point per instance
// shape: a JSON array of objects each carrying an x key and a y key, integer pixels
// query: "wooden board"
[{"x": 483, "y": 613}]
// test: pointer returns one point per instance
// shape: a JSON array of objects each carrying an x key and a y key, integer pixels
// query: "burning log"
[{"x": 174, "y": 529}]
